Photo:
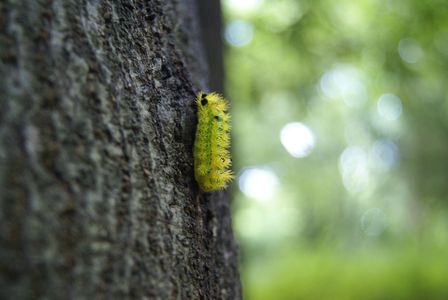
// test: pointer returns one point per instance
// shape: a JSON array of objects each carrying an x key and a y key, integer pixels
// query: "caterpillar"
[{"x": 211, "y": 148}]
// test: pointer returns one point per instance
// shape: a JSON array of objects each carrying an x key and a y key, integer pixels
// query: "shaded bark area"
[
  {"x": 211, "y": 29},
  {"x": 97, "y": 193}
]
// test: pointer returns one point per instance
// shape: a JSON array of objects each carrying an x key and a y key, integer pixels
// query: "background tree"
[{"x": 97, "y": 194}]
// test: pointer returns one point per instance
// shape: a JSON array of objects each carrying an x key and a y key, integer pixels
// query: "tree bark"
[{"x": 97, "y": 193}]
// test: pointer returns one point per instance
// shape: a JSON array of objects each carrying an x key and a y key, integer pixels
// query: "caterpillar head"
[{"x": 213, "y": 102}]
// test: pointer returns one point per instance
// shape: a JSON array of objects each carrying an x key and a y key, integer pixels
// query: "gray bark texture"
[{"x": 97, "y": 193}]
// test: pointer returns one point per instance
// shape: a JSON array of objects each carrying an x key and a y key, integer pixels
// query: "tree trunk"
[{"x": 97, "y": 193}]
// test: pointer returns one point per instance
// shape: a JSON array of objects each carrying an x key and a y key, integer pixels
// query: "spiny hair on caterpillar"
[{"x": 211, "y": 155}]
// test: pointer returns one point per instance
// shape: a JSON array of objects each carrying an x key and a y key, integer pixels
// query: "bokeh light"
[
  {"x": 373, "y": 222},
  {"x": 389, "y": 107},
  {"x": 239, "y": 6},
  {"x": 258, "y": 183},
  {"x": 354, "y": 169},
  {"x": 344, "y": 82},
  {"x": 410, "y": 51},
  {"x": 297, "y": 139},
  {"x": 384, "y": 155},
  {"x": 239, "y": 33}
]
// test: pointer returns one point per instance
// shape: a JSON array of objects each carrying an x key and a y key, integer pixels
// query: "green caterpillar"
[{"x": 211, "y": 149}]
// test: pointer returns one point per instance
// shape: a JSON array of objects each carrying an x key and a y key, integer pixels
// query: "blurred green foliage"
[
  {"x": 359, "y": 210},
  {"x": 373, "y": 275}
]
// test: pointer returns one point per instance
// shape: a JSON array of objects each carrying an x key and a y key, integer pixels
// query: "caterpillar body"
[{"x": 211, "y": 148}]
